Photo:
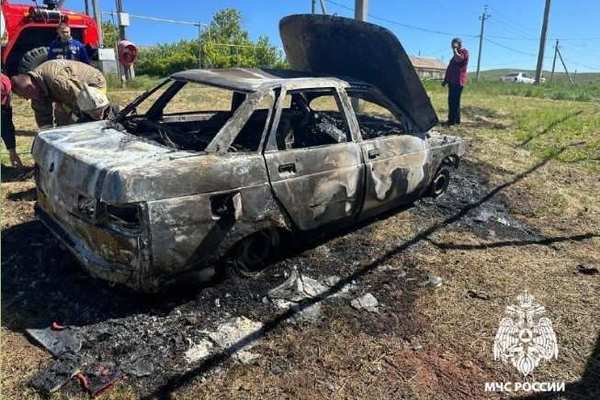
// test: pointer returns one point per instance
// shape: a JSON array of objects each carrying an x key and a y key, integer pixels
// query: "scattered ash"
[
  {"x": 489, "y": 220},
  {"x": 147, "y": 337}
]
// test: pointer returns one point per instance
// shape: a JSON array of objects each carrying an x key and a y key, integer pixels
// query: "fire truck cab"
[{"x": 28, "y": 30}]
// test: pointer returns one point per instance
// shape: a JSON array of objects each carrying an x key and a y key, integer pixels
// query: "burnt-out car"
[{"x": 218, "y": 163}]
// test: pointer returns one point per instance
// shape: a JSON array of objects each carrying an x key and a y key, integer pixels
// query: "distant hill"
[{"x": 586, "y": 77}]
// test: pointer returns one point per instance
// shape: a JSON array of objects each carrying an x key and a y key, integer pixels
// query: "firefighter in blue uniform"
[{"x": 67, "y": 48}]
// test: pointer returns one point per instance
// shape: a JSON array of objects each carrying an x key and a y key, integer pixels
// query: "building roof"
[{"x": 429, "y": 63}]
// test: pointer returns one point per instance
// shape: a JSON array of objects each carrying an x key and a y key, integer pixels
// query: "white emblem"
[{"x": 525, "y": 337}]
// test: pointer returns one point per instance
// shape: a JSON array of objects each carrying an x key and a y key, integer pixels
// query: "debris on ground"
[
  {"x": 61, "y": 371},
  {"x": 433, "y": 281},
  {"x": 293, "y": 291},
  {"x": 56, "y": 339},
  {"x": 587, "y": 270},
  {"x": 297, "y": 287},
  {"x": 478, "y": 294},
  {"x": 366, "y": 302},
  {"x": 237, "y": 332},
  {"x": 400, "y": 272},
  {"x": 198, "y": 351},
  {"x": 333, "y": 280},
  {"x": 98, "y": 377}
]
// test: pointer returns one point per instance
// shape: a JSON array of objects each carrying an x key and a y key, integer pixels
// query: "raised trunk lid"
[{"x": 340, "y": 46}]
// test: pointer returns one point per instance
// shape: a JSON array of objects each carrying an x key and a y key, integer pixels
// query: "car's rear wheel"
[
  {"x": 32, "y": 59},
  {"x": 254, "y": 253},
  {"x": 440, "y": 182}
]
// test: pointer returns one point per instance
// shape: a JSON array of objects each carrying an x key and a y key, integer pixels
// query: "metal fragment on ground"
[
  {"x": 297, "y": 288},
  {"x": 293, "y": 291},
  {"x": 58, "y": 374},
  {"x": 57, "y": 342},
  {"x": 366, "y": 302}
]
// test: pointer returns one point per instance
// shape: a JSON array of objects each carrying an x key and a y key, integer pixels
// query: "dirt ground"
[{"x": 516, "y": 218}]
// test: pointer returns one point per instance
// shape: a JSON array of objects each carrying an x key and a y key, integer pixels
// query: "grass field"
[{"x": 540, "y": 153}]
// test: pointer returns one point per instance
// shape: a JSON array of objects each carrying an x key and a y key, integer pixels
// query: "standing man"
[
  {"x": 456, "y": 78},
  {"x": 56, "y": 90},
  {"x": 8, "y": 129},
  {"x": 67, "y": 48}
]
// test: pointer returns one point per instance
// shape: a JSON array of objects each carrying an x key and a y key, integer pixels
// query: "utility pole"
[
  {"x": 565, "y": 66},
  {"x": 361, "y": 11},
  {"x": 554, "y": 60},
  {"x": 98, "y": 18},
  {"x": 540, "y": 61},
  {"x": 313, "y": 6},
  {"x": 483, "y": 17},
  {"x": 123, "y": 19},
  {"x": 87, "y": 7}
]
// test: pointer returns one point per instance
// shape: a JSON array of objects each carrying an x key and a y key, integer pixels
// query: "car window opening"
[
  {"x": 375, "y": 118},
  {"x": 311, "y": 118},
  {"x": 189, "y": 115}
]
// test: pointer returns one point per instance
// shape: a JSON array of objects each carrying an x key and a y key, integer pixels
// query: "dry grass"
[{"x": 428, "y": 344}]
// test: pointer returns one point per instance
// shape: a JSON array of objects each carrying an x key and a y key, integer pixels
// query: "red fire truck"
[{"x": 28, "y": 30}]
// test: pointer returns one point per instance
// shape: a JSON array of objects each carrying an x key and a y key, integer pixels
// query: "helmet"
[{"x": 91, "y": 99}]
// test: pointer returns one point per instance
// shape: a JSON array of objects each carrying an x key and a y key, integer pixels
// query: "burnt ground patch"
[{"x": 146, "y": 336}]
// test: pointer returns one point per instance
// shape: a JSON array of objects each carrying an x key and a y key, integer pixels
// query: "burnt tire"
[
  {"x": 254, "y": 253},
  {"x": 32, "y": 59},
  {"x": 440, "y": 182}
]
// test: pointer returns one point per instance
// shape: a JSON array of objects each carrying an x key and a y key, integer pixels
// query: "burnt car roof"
[{"x": 251, "y": 79}]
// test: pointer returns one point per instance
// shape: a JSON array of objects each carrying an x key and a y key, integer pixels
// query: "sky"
[{"x": 425, "y": 27}]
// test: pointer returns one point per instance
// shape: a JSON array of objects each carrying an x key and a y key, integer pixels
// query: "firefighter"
[
  {"x": 8, "y": 128},
  {"x": 67, "y": 48},
  {"x": 59, "y": 83}
]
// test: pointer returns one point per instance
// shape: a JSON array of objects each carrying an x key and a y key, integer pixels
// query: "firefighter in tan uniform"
[{"x": 63, "y": 92}]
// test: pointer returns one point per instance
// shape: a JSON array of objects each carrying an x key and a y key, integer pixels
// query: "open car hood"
[{"x": 340, "y": 46}]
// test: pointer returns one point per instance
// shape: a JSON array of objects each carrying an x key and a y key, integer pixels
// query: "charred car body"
[{"x": 171, "y": 185}]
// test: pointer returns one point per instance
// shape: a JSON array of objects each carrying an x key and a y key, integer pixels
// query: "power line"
[
  {"x": 510, "y": 48},
  {"x": 408, "y": 26},
  {"x": 508, "y": 21}
]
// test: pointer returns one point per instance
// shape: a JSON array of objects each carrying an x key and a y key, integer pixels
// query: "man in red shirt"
[
  {"x": 456, "y": 78},
  {"x": 8, "y": 129}
]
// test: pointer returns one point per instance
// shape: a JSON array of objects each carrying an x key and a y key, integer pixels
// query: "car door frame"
[
  {"x": 394, "y": 154},
  {"x": 305, "y": 161}
]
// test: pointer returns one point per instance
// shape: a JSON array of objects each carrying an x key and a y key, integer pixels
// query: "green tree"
[
  {"x": 225, "y": 44},
  {"x": 110, "y": 34}
]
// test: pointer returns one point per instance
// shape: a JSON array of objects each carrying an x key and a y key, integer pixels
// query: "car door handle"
[
  {"x": 373, "y": 153},
  {"x": 289, "y": 167}
]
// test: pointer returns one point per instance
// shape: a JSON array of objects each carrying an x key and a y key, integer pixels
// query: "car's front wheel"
[{"x": 440, "y": 182}]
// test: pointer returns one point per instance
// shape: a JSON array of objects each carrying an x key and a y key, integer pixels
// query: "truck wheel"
[
  {"x": 440, "y": 182},
  {"x": 253, "y": 254},
  {"x": 32, "y": 59}
]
